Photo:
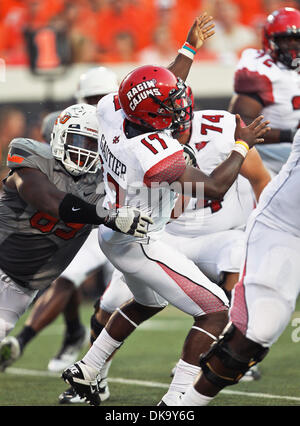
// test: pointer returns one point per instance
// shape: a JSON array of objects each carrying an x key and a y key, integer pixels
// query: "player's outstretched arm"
[
  {"x": 223, "y": 176},
  {"x": 35, "y": 188},
  {"x": 201, "y": 30}
]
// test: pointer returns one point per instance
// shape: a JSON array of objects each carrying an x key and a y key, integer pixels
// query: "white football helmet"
[
  {"x": 95, "y": 82},
  {"x": 74, "y": 140}
]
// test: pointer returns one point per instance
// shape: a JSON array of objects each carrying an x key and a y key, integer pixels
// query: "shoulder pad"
[
  {"x": 250, "y": 55},
  {"x": 27, "y": 152},
  {"x": 255, "y": 74},
  {"x": 260, "y": 61},
  {"x": 107, "y": 108},
  {"x": 253, "y": 82}
]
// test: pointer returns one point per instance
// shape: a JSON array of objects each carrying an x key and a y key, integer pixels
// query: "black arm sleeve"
[
  {"x": 75, "y": 210},
  {"x": 287, "y": 135}
]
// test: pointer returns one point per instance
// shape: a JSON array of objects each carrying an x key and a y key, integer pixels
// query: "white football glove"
[{"x": 128, "y": 220}]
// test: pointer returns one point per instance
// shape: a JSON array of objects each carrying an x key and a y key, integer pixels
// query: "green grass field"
[{"x": 139, "y": 374}]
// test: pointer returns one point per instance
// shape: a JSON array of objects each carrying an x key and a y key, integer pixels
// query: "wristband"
[
  {"x": 287, "y": 135},
  {"x": 188, "y": 50},
  {"x": 73, "y": 209},
  {"x": 241, "y": 147}
]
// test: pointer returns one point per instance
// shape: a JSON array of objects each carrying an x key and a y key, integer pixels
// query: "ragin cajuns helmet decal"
[{"x": 142, "y": 91}]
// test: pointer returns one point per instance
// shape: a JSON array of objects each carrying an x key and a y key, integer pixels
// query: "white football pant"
[
  {"x": 265, "y": 296},
  {"x": 14, "y": 301},
  {"x": 88, "y": 259},
  {"x": 157, "y": 273}
]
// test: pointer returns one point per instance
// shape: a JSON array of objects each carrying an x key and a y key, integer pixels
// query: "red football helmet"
[
  {"x": 153, "y": 97},
  {"x": 283, "y": 25}
]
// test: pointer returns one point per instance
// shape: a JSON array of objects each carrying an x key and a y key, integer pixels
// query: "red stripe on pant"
[
  {"x": 239, "y": 313},
  {"x": 207, "y": 301}
]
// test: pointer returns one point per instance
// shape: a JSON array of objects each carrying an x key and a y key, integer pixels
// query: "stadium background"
[{"x": 45, "y": 45}]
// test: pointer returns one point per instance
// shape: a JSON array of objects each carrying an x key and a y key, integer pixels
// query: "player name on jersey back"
[{"x": 115, "y": 165}]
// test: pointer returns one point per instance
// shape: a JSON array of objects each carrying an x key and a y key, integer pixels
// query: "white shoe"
[
  {"x": 69, "y": 351},
  {"x": 10, "y": 351},
  {"x": 85, "y": 380},
  {"x": 171, "y": 399},
  {"x": 104, "y": 390},
  {"x": 70, "y": 396}
]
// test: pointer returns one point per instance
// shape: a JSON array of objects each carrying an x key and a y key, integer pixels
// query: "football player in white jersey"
[
  {"x": 265, "y": 296},
  {"x": 210, "y": 234},
  {"x": 118, "y": 290},
  {"x": 144, "y": 165},
  {"x": 211, "y": 231},
  {"x": 267, "y": 82}
]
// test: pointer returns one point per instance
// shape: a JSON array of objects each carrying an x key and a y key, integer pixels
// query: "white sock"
[
  {"x": 194, "y": 398},
  {"x": 184, "y": 376},
  {"x": 101, "y": 349},
  {"x": 105, "y": 369}
]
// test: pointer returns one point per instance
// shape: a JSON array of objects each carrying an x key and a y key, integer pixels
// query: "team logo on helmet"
[
  {"x": 142, "y": 91},
  {"x": 64, "y": 118}
]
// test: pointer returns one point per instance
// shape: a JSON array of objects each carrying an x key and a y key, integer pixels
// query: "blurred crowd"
[{"x": 118, "y": 31}]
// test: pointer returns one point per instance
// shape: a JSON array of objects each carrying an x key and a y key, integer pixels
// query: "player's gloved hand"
[
  {"x": 128, "y": 220},
  {"x": 189, "y": 156}
]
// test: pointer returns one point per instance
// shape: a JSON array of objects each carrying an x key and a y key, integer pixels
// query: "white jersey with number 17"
[{"x": 133, "y": 167}]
